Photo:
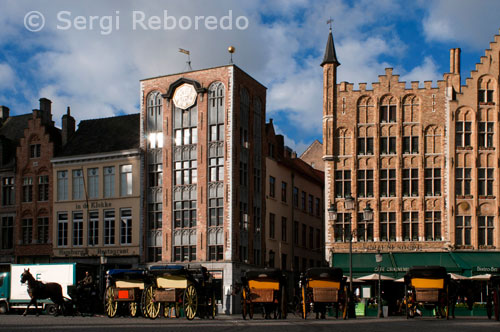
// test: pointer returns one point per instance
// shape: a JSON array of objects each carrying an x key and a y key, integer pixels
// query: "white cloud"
[
  {"x": 7, "y": 77},
  {"x": 463, "y": 21},
  {"x": 427, "y": 71}
]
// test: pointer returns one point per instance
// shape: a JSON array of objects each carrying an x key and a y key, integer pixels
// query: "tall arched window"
[
  {"x": 433, "y": 140},
  {"x": 216, "y": 104},
  {"x": 388, "y": 109},
  {"x": 154, "y": 120},
  {"x": 366, "y": 110},
  {"x": 410, "y": 109}
]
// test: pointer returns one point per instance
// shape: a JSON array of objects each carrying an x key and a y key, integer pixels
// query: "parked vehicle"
[
  {"x": 124, "y": 287},
  {"x": 174, "y": 286},
  {"x": 267, "y": 288},
  {"x": 322, "y": 286},
  {"x": 427, "y": 286},
  {"x": 14, "y": 294}
]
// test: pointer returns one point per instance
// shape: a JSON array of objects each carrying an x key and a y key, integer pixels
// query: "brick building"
[
  {"x": 425, "y": 158},
  {"x": 294, "y": 209},
  {"x": 11, "y": 130},
  {"x": 203, "y": 136},
  {"x": 40, "y": 142}
]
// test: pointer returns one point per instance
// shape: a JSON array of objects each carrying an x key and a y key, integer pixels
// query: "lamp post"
[
  {"x": 367, "y": 216},
  {"x": 378, "y": 259}
]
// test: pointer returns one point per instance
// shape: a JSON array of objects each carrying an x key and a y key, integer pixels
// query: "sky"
[{"x": 90, "y": 55}]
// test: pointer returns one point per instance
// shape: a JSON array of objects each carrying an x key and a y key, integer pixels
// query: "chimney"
[
  {"x": 452, "y": 60},
  {"x": 45, "y": 110},
  {"x": 457, "y": 61},
  {"x": 4, "y": 113},
  {"x": 68, "y": 126}
]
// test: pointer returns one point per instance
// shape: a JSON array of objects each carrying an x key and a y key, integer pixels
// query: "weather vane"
[
  {"x": 330, "y": 21},
  {"x": 188, "y": 62}
]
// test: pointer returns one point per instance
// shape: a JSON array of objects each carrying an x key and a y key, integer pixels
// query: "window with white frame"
[
  {"x": 62, "y": 229},
  {"x": 62, "y": 185},
  {"x": 78, "y": 184},
  {"x": 93, "y": 182},
  {"x": 93, "y": 230},
  {"x": 109, "y": 181},
  {"x": 126, "y": 180},
  {"x": 126, "y": 226},
  {"x": 109, "y": 227},
  {"x": 77, "y": 229}
]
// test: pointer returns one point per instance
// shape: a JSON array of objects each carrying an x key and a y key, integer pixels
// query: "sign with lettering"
[
  {"x": 95, "y": 205},
  {"x": 396, "y": 246},
  {"x": 93, "y": 252}
]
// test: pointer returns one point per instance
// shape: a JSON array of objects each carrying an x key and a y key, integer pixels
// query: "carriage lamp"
[
  {"x": 349, "y": 203},
  {"x": 332, "y": 212},
  {"x": 368, "y": 213}
]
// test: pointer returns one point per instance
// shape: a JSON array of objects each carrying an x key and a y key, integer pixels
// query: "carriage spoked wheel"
[
  {"x": 244, "y": 305},
  {"x": 345, "y": 303},
  {"x": 305, "y": 303},
  {"x": 151, "y": 307},
  {"x": 132, "y": 309},
  {"x": 111, "y": 305},
  {"x": 190, "y": 302}
]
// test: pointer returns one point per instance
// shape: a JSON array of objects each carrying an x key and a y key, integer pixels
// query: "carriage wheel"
[
  {"x": 345, "y": 305},
  {"x": 152, "y": 308},
  {"x": 190, "y": 302},
  {"x": 250, "y": 310},
  {"x": 111, "y": 305},
  {"x": 132, "y": 309},
  {"x": 212, "y": 307},
  {"x": 447, "y": 307},
  {"x": 244, "y": 309},
  {"x": 305, "y": 304}
]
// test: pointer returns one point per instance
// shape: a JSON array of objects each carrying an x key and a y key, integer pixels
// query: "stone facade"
[{"x": 403, "y": 149}]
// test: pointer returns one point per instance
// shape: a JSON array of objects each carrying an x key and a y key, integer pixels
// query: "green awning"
[
  {"x": 364, "y": 264},
  {"x": 474, "y": 263},
  {"x": 404, "y": 261},
  {"x": 394, "y": 264}
]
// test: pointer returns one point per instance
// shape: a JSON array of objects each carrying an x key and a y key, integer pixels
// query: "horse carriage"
[
  {"x": 266, "y": 288},
  {"x": 124, "y": 287},
  {"x": 493, "y": 301},
  {"x": 174, "y": 286},
  {"x": 321, "y": 286},
  {"x": 428, "y": 286}
]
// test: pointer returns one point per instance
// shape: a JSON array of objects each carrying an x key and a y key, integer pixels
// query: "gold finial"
[{"x": 231, "y": 50}]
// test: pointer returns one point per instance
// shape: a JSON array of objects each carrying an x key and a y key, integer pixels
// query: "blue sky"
[{"x": 97, "y": 71}]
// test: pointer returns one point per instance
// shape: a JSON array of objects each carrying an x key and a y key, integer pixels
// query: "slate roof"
[
  {"x": 104, "y": 135},
  {"x": 13, "y": 127},
  {"x": 330, "y": 56}
]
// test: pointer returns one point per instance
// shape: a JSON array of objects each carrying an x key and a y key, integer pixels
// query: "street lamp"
[
  {"x": 378, "y": 259},
  {"x": 349, "y": 205}
]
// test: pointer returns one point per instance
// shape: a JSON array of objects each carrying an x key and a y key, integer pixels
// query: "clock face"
[{"x": 184, "y": 96}]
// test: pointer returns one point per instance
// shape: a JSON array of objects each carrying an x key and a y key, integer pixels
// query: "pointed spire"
[{"x": 330, "y": 56}]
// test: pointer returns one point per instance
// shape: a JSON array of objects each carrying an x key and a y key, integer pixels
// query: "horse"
[
  {"x": 463, "y": 289},
  {"x": 38, "y": 290}
]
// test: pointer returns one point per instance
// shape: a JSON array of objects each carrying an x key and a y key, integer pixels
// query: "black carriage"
[
  {"x": 173, "y": 287},
  {"x": 493, "y": 300},
  {"x": 427, "y": 286},
  {"x": 322, "y": 286},
  {"x": 267, "y": 289},
  {"x": 124, "y": 288}
]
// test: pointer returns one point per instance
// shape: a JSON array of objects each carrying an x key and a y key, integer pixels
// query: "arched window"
[
  {"x": 343, "y": 142},
  {"x": 388, "y": 109},
  {"x": 216, "y": 104},
  {"x": 154, "y": 120},
  {"x": 463, "y": 128},
  {"x": 366, "y": 110},
  {"x": 486, "y": 90},
  {"x": 410, "y": 109},
  {"x": 433, "y": 140}
]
